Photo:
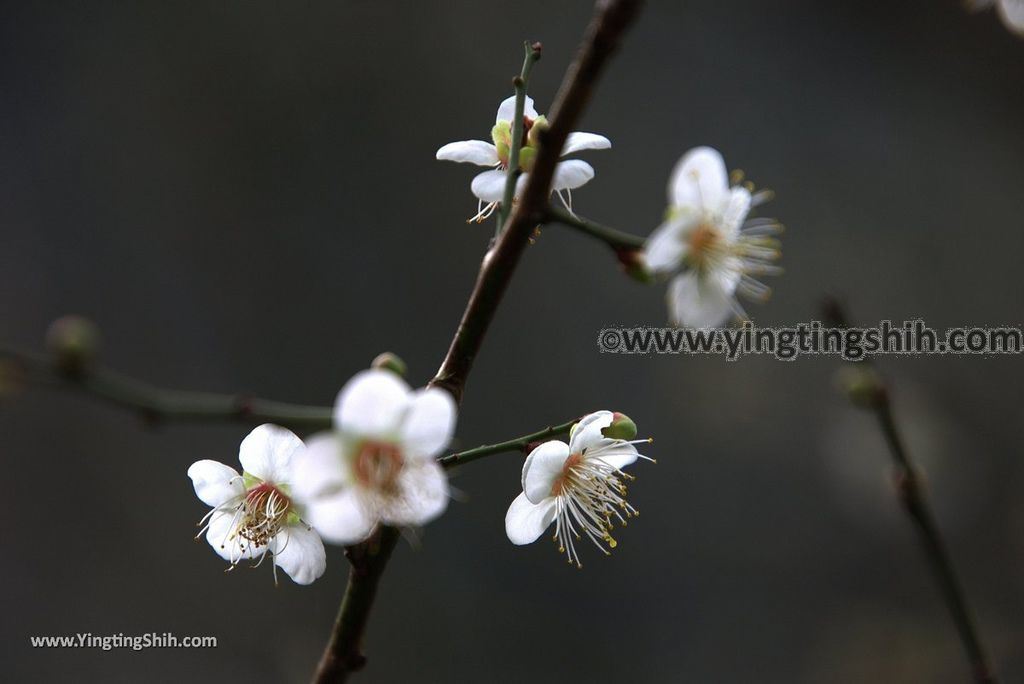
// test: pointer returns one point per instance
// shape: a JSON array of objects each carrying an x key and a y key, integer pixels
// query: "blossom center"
[
  {"x": 563, "y": 480},
  {"x": 264, "y": 512},
  {"x": 501, "y": 134},
  {"x": 588, "y": 494},
  {"x": 378, "y": 465},
  {"x": 703, "y": 242}
]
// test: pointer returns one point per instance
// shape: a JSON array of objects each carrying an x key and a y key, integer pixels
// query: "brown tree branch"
[
  {"x": 612, "y": 17},
  {"x": 344, "y": 654}
]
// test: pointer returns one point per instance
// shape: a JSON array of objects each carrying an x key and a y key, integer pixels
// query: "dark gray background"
[{"x": 244, "y": 197}]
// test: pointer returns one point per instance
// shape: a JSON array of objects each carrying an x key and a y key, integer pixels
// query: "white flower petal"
[
  {"x": 429, "y": 424},
  {"x": 665, "y": 248},
  {"x": 615, "y": 452},
  {"x": 542, "y": 467},
  {"x": 299, "y": 551},
  {"x": 572, "y": 174},
  {"x": 1012, "y": 12},
  {"x": 587, "y": 432},
  {"x": 525, "y": 521},
  {"x": 472, "y": 151},
  {"x": 372, "y": 404},
  {"x": 222, "y": 536},
  {"x": 735, "y": 212},
  {"x": 215, "y": 483},
  {"x": 520, "y": 185},
  {"x": 699, "y": 182},
  {"x": 507, "y": 109},
  {"x": 585, "y": 141},
  {"x": 267, "y": 453},
  {"x": 422, "y": 495},
  {"x": 321, "y": 469},
  {"x": 697, "y": 303},
  {"x": 489, "y": 185},
  {"x": 341, "y": 518}
]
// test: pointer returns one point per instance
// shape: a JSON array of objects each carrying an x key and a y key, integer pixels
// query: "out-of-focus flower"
[
  {"x": 253, "y": 513},
  {"x": 580, "y": 486},
  {"x": 378, "y": 464},
  {"x": 708, "y": 243},
  {"x": 489, "y": 186},
  {"x": 1010, "y": 11}
]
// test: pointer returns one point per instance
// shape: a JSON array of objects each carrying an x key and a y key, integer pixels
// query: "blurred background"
[{"x": 244, "y": 197}]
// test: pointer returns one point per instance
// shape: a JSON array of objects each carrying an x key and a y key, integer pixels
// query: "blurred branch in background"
[
  {"x": 866, "y": 389},
  {"x": 70, "y": 364}
]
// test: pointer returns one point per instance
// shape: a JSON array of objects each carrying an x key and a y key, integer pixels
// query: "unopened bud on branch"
[
  {"x": 74, "y": 342},
  {"x": 391, "y": 362},
  {"x": 633, "y": 265},
  {"x": 861, "y": 385},
  {"x": 622, "y": 427}
]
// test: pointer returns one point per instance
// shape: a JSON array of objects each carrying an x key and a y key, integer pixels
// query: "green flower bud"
[
  {"x": 861, "y": 385},
  {"x": 622, "y": 427},
  {"x": 390, "y": 362},
  {"x": 634, "y": 266},
  {"x": 73, "y": 341}
]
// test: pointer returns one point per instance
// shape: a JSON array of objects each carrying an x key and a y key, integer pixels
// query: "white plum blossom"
[
  {"x": 580, "y": 486},
  {"x": 378, "y": 464},
  {"x": 708, "y": 243},
  {"x": 489, "y": 186},
  {"x": 1010, "y": 11},
  {"x": 253, "y": 513}
]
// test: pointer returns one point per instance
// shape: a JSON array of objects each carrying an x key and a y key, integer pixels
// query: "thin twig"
[
  {"x": 874, "y": 395},
  {"x": 617, "y": 240},
  {"x": 156, "y": 404},
  {"x": 520, "y": 82},
  {"x": 517, "y": 444},
  {"x": 610, "y": 22}
]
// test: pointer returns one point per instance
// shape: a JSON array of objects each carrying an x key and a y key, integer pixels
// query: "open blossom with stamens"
[
  {"x": 489, "y": 186},
  {"x": 253, "y": 513},
  {"x": 378, "y": 464},
  {"x": 708, "y": 243},
  {"x": 580, "y": 486}
]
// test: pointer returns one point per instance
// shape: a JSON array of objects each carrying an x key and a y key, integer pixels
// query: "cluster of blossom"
[
  {"x": 708, "y": 247},
  {"x": 379, "y": 464}
]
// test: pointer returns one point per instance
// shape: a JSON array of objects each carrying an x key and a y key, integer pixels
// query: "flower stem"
[
  {"x": 616, "y": 239},
  {"x": 520, "y": 82},
  {"x": 913, "y": 497},
  {"x": 517, "y": 444},
  {"x": 156, "y": 404}
]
